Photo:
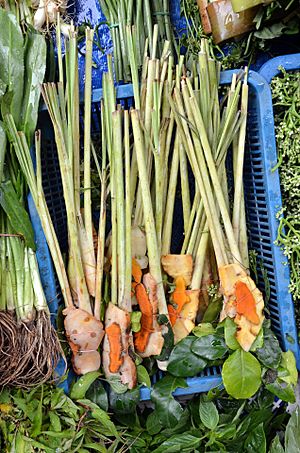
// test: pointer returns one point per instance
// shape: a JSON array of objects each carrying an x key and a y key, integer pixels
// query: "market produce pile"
[{"x": 157, "y": 278}]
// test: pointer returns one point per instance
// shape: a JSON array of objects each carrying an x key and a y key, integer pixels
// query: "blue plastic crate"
[
  {"x": 268, "y": 71},
  {"x": 262, "y": 192}
]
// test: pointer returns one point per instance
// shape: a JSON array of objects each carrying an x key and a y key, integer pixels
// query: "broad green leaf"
[
  {"x": 229, "y": 332},
  {"x": 208, "y": 414},
  {"x": 55, "y": 423},
  {"x": 241, "y": 374},
  {"x": 259, "y": 341},
  {"x": 143, "y": 376},
  {"x": 288, "y": 362},
  {"x": 256, "y": 441},
  {"x": 270, "y": 354},
  {"x": 282, "y": 390},
  {"x": 81, "y": 386},
  {"x": 98, "y": 395},
  {"x": 35, "y": 66},
  {"x": 203, "y": 329},
  {"x": 124, "y": 403},
  {"x": 153, "y": 424},
  {"x": 116, "y": 384},
  {"x": 225, "y": 432},
  {"x": 16, "y": 213},
  {"x": 167, "y": 408},
  {"x": 12, "y": 61},
  {"x": 179, "y": 442},
  {"x": 292, "y": 433},
  {"x": 38, "y": 418},
  {"x": 213, "y": 310},
  {"x": 276, "y": 446},
  {"x": 210, "y": 347},
  {"x": 183, "y": 362}
]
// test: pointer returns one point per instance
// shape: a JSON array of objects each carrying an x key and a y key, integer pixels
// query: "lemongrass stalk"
[
  {"x": 154, "y": 258},
  {"x": 168, "y": 218},
  {"x": 147, "y": 17},
  {"x": 18, "y": 261},
  {"x": 197, "y": 229},
  {"x": 59, "y": 52},
  {"x": 28, "y": 295},
  {"x": 239, "y": 163},
  {"x": 40, "y": 302},
  {"x": 123, "y": 44},
  {"x": 194, "y": 211},
  {"x": 120, "y": 205},
  {"x": 128, "y": 259},
  {"x": 200, "y": 258},
  {"x": 88, "y": 222},
  {"x": 192, "y": 149},
  {"x": 185, "y": 188},
  {"x": 133, "y": 68},
  {"x": 198, "y": 121}
]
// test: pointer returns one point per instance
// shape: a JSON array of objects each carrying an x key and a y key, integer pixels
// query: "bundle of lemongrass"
[
  {"x": 141, "y": 16},
  {"x": 29, "y": 347}
]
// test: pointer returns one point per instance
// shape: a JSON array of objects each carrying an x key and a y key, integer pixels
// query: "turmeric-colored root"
[
  {"x": 178, "y": 266},
  {"x": 243, "y": 302}
]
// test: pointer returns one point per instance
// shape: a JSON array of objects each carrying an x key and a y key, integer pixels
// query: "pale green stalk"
[
  {"x": 185, "y": 188},
  {"x": 40, "y": 302},
  {"x": 128, "y": 258},
  {"x": 154, "y": 257}
]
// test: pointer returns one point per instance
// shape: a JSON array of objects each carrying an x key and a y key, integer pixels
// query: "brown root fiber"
[{"x": 30, "y": 351}]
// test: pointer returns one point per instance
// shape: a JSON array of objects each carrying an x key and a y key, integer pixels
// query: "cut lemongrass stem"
[
  {"x": 87, "y": 199},
  {"x": 194, "y": 211},
  {"x": 200, "y": 258},
  {"x": 185, "y": 188},
  {"x": 169, "y": 211},
  {"x": 149, "y": 223},
  {"x": 128, "y": 258}
]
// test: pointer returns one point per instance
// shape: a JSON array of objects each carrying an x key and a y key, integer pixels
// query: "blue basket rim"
[{"x": 271, "y": 68}]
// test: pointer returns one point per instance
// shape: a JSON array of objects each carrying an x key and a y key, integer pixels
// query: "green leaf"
[
  {"x": 168, "y": 409},
  {"x": 35, "y": 66},
  {"x": 2, "y": 149},
  {"x": 203, "y": 329},
  {"x": 101, "y": 416},
  {"x": 270, "y": 354},
  {"x": 124, "y": 403},
  {"x": 229, "y": 332},
  {"x": 98, "y": 395},
  {"x": 81, "y": 386},
  {"x": 96, "y": 447},
  {"x": 143, "y": 376},
  {"x": 55, "y": 423},
  {"x": 38, "y": 418},
  {"x": 283, "y": 391},
  {"x": 259, "y": 341},
  {"x": 153, "y": 424},
  {"x": 276, "y": 446},
  {"x": 208, "y": 414},
  {"x": 288, "y": 362},
  {"x": 292, "y": 433},
  {"x": 213, "y": 310},
  {"x": 225, "y": 432},
  {"x": 12, "y": 61},
  {"x": 256, "y": 440},
  {"x": 183, "y": 362},
  {"x": 210, "y": 347},
  {"x": 16, "y": 213},
  {"x": 241, "y": 374},
  {"x": 135, "y": 319},
  {"x": 116, "y": 384},
  {"x": 179, "y": 442},
  {"x": 168, "y": 339}
]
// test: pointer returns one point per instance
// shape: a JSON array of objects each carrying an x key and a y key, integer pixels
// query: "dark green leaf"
[
  {"x": 183, "y": 362},
  {"x": 259, "y": 341},
  {"x": 168, "y": 409},
  {"x": 116, "y": 384},
  {"x": 38, "y": 418},
  {"x": 270, "y": 354},
  {"x": 252, "y": 420},
  {"x": 241, "y": 374},
  {"x": 209, "y": 414},
  {"x": 168, "y": 339},
  {"x": 2, "y": 149},
  {"x": 82, "y": 385},
  {"x": 124, "y": 403},
  {"x": 226, "y": 432},
  {"x": 16, "y": 213},
  {"x": 283, "y": 391},
  {"x": 153, "y": 424},
  {"x": 205, "y": 328},
  {"x": 292, "y": 433},
  {"x": 276, "y": 446},
  {"x": 96, "y": 447},
  {"x": 229, "y": 332},
  {"x": 288, "y": 363},
  {"x": 101, "y": 416},
  {"x": 143, "y": 376},
  {"x": 179, "y": 442},
  {"x": 256, "y": 441},
  {"x": 97, "y": 394},
  {"x": 12, "y": 60},
  {"x": 210, "y": 347},
  {"x": 35, "y": 66},
  {"x": 213, "y": 310}
]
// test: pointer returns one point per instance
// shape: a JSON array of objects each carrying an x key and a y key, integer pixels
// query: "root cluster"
[{"x": 29, "y": 351}]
